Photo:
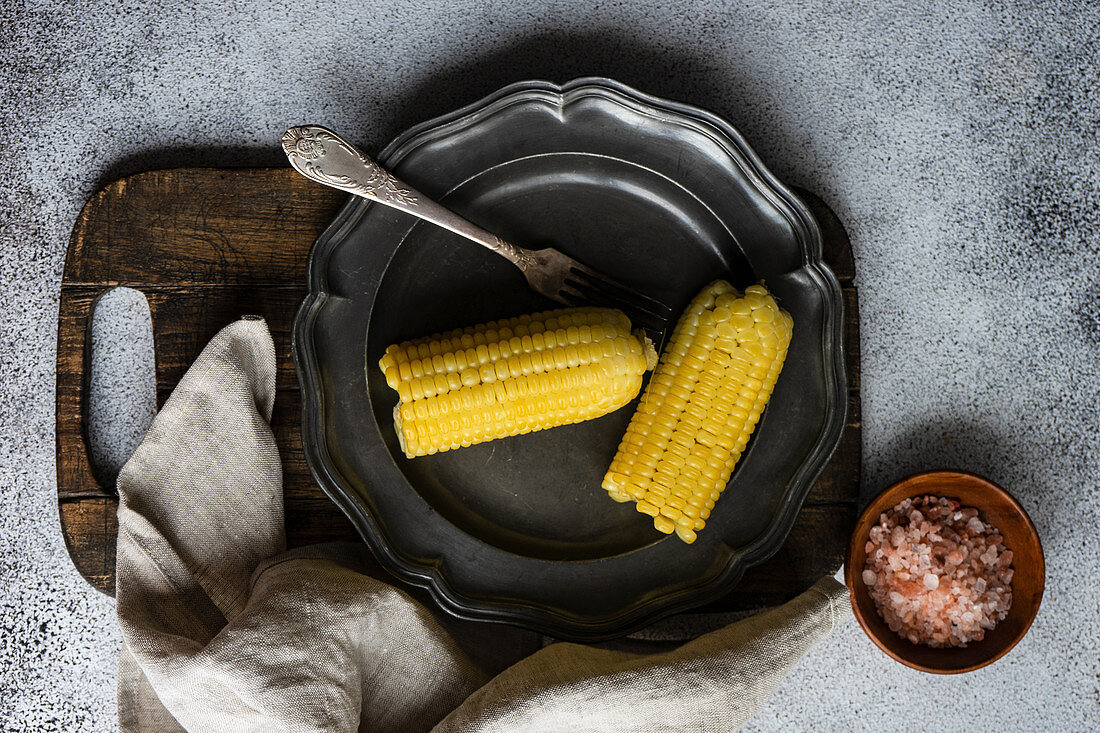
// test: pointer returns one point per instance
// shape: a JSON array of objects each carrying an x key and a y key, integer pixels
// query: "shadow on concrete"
[
  {"x": 689, "y": 74},
  {"x": 952, "y": 442}
]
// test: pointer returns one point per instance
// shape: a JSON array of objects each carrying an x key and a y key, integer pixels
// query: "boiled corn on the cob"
[
  {"x": 701, "y": 406},
  {"x": 513, "y": 376}
]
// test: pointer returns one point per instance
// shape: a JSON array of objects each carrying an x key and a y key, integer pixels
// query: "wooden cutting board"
[{"x": 208, "y": 245}]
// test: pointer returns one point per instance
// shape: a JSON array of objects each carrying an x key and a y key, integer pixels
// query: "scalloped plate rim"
[{"x": 432, "y": 575}]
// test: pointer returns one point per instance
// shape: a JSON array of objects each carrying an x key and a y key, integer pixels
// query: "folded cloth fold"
[{"x": 224, "y": 630}]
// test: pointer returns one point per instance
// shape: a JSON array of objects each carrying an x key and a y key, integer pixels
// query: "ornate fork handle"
[{"x": 323, "y": 156}]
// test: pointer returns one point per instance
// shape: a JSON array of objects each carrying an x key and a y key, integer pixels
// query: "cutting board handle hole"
[{"x": 122, "y": 386}]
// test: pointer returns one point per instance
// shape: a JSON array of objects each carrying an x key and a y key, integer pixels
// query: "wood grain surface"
[{"x": 208, "y": 245}]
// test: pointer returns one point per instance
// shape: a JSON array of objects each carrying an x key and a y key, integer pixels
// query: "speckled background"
[{"x": 957, "y": 140}]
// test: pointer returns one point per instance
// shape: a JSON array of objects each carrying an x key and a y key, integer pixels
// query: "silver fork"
[{"x": 323, "y": 156}]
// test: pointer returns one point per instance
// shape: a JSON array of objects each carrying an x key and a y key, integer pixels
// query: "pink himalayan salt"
[{"x": 938, "y": 574}]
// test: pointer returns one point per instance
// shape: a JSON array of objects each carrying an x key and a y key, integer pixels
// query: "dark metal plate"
[{"x": 664, "y": 196}]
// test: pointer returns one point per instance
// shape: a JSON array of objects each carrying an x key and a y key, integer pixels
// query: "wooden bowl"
[{"x": 998, "y": 508}]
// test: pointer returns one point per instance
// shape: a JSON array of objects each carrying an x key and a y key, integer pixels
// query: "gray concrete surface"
[{"x": 957, "y": 140}]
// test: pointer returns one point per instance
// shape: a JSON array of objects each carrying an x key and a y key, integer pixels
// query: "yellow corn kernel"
[
  {"x": 516, "y": 376},
  {"x": 701, "y": 405}
]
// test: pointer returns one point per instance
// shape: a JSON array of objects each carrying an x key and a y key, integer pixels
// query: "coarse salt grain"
[{"x": 913, "y": 551}]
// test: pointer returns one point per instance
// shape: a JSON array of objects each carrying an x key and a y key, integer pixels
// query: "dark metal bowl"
[{"x": 662, "y": 195}]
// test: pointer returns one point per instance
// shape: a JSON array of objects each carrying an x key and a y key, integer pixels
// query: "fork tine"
[
  {"x": 591, "y": 294},
  {"x": 596, "y": 293},
  {"x": 626, "y": 294},
  {"x": 570, "y": 295}
]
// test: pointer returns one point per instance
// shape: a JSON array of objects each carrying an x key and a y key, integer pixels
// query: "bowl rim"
[{"x": 873, "y": 507}]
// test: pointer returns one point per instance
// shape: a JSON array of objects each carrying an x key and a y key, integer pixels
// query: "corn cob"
[
  {"x": 701, "y": 406},
  {"x": 513, "y": 376}
]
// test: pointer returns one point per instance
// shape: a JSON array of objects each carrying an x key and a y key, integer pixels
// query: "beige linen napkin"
[{"x": 225, "y": 631}]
